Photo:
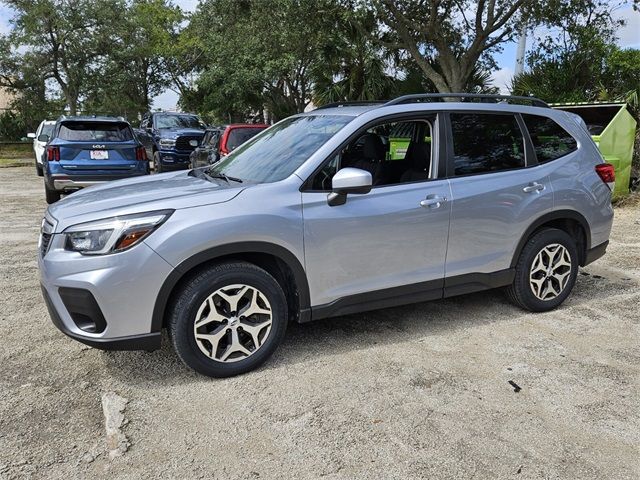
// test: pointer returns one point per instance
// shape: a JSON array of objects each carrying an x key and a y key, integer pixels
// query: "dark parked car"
[
  {"x": 170, "y": 138},
  {"x": 221, "y": 141},
  {"x": 207, "y": 153},
  {"x": 85, "y": 151}
]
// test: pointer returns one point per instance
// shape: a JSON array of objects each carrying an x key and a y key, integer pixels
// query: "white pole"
[{"x": 522, "y": 48}]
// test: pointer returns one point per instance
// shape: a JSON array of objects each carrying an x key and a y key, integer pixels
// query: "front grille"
[
  {"x": 45, "y": 240},
  {"x": 182, "y": 143}
]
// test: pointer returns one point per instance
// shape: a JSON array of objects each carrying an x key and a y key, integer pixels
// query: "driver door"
[{"x": 383, "y": 248}]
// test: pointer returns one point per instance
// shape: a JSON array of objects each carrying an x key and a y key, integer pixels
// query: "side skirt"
[{"x": 414, "y": 293}]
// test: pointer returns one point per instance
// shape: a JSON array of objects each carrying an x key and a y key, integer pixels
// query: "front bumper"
[
  {"x": 122, "y": 287},
  {"x": 148, "y": 341},
  {"x": 175, "y": 159}
]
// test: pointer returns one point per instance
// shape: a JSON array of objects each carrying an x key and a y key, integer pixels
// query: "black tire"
[
  {"x": 39, "y": 170},
  {"x": 184, "y": 309},
  {"x": 52, "y": 196},
  {"x": 157, "y": 164},
  {"x": 521, "y": 292}
]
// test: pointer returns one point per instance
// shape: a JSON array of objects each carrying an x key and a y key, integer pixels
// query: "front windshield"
[
  {"x": 177, "y": 121},
  {"x": 279, "y": 151}
]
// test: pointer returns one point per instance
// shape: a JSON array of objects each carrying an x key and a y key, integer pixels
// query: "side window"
[
  {"x": 393, "y": 152},
  {"x": 550, "y": 140},
  {"x": 484, "y": 143}
]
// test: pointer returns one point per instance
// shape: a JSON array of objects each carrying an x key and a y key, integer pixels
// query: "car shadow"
[{"x": 312, "y": 341}]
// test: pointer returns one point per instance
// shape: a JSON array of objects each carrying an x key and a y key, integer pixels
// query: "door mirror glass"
[
  {"x": 43, "y": 137},
  {"x": 31, "y": 135},
  {"x": 348, "y": 180}
]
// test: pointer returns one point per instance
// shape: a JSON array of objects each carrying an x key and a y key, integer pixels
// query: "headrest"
[{"x": 372, "y": 147}]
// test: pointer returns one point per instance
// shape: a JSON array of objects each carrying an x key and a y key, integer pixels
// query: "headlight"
[
  {"x": 167, "y": 142},
  {"x": 114, "y": 234}
]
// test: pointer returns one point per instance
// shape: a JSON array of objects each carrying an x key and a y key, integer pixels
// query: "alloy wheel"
[
  {"x": 233, "y": 323},
  {"x": 550, "y": 271}
]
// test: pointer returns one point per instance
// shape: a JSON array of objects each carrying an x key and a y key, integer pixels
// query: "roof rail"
[
  {"x": 358, "y": 103},
  {"x": 480, "y": 97}
]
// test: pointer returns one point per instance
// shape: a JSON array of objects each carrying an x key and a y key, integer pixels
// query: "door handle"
[
  {"x": 533, "y": 187},
  {"x": 433, "y": 201}
]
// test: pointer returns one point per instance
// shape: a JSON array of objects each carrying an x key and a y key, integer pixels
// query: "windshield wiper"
[
  {"x": 224, "y": 177},
  {"x": 196, "y": 172}
]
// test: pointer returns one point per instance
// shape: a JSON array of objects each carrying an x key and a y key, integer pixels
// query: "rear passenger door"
[{"x": 497, "y": 191}]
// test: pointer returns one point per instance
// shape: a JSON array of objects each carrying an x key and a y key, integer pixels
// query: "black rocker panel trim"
[
  {"x": 414, "y": 293},
  {"x": 388, "y": 297}
]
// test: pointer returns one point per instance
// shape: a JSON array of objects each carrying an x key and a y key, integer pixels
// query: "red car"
[
  {"x": 236, "y": 134},
  {"x": 220, "y": 141}
]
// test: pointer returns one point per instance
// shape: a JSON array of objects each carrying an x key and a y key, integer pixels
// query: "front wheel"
[
  {"x": 228, "y": 319},
  {"x": 546, "y": 271}
]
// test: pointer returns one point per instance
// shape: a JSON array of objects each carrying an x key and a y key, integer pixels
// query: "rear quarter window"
[
  {"x": 486, "y": 143},
  {"x": 550, "y": 140},
  {"x": 95, "y": 132}
]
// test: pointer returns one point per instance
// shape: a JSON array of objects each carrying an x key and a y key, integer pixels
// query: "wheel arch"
[
  {"x": 275, "y": 259},
  {"x": 570, "y": 221}
]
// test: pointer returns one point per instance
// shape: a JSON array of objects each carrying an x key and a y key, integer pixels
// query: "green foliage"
[
  {"x": 258, "y": 55},
  {"x": 99, "y": 57},
  {"x": 570, "y": 63},
  {"x": 451, "y": 41}
]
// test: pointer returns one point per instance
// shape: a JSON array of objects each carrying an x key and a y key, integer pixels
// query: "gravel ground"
[{"x": 415, "y": 392}]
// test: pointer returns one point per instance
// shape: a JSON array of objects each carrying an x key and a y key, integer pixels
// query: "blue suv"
[
  {"x": 85, "y": 151},
  {"x": 170, "y": 137}
]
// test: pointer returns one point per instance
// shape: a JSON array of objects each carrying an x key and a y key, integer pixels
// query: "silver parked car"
[{"x": 339, "y": 210}]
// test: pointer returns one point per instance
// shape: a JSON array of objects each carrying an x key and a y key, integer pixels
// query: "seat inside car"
[
  {"x": 418, "y": 159},
  {"x": 372, "y": 156}
]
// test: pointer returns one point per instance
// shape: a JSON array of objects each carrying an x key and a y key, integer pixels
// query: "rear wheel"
[
  {"x": 546, "y": 271},
  {"x": 157, "y": 164},
  {"x": 39, "y": 170},
  {"x": 228, "y": 319},
  {"x": 52, "y": 196}
]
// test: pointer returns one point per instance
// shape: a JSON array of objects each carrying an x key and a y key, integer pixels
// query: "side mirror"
[
  {"x": 31, "y": 135},
  {"x": 346, "y": 181},
  {"x": 43, "y": 137}
]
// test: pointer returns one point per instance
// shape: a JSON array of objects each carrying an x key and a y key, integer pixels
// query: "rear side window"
[
  {"x": 95, "y": 132},
  {"x": 550, "y": 140},
  {"x": 484, "y": 143},
  {"x": 238, "y": 136}
]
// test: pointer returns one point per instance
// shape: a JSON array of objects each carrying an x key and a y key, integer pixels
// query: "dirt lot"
[{"x": 415, "y": 392}]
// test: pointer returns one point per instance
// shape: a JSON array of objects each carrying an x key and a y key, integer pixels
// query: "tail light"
[
  {"x": 53, "y": 154},
  {"x": 607, "y": 174},
  {"x": 141, "y": 153}
]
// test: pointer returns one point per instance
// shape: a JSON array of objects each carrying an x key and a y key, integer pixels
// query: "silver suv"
[{"x": 339, "y": 210}]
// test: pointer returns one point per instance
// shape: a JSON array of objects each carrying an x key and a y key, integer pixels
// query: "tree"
[
  {"x": 62, "y": 40},
  {"x": 355, "y": 67},
  {"x": 259, "y": 55},
  {"x": 456, "y": 35},
  {"x": 136, "y": 66},
  {"x": 569, "y": 62}
]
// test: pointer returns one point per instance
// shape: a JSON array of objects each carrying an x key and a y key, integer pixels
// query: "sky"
[{"x": 629, "y": 36}]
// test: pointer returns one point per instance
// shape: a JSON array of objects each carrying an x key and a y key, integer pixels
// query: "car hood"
[
  {"x": 177, "y": 132},
  {"x": 174, "y": 190}
]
